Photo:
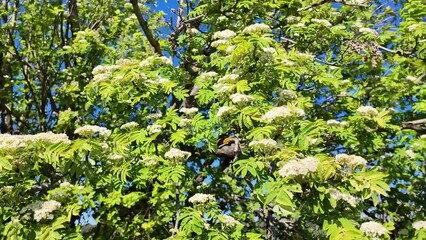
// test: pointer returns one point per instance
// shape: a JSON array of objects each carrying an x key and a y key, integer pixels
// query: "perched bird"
[{"x": 228, "y": 148}]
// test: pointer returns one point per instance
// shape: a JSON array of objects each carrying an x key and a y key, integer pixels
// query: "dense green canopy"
[{"x": 110, "y": 113}]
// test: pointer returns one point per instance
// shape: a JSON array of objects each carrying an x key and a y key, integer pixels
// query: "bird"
[{"x": 228, "y": 148}]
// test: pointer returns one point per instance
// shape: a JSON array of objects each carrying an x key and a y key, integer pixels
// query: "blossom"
[
  {"x": 333, "y": 122},
  {"x": 193, "y": 31},
  {"x": 123, "y": 62},
  {"x": 276, "y": 113},
  {"x": 155, "y": 128},
  {"x": 207, "y": 75},
  {"x": 323, "y": 22},
  {"x": 150, "y": 160},
  {"x": 337, "y": 195},
  {"x": 286, "y": 94},
  {"x": 350, "y": 160},
  {"x": 129, "y": 125},
  {"x": 288, "y": 62},
  {"x": 369, "y": 30},
  {"x": 230, "y": 49},
  {"x": 201, "y": 198},
  {"x": 241, "y": 98},
  {"x": 154, "y": 116},
  {"x": 410, "y": 153},
  {"x": 177, "y": 154},
  {"x": 300, "y": 25},
  {"x": 44, "y": 210},
  {"x": 299, "y": 167},
  {"x": 263, "y": 144},
  {"x": 90, "y": 130},
  {"x": 423, "y": 136},
  {"x": 269, "y": 50},
  {"x": 188, "y": 111},
  {"x": 116, "y": 157},
  {"x": 413, "y": 27},
  {"x": 280, "y": 113},
  {"x": 221, "y": 87},
  {"x": 257, "y": 27},
  {"x": 65, "y": 184},
  {"x": 223, "y": 111},
  {"x": 412, "y": 79},
  {"x": 419, "y": 225},
  {"x": 103, "y": 73},
  {"x": 229, "y": 221},
  {"x": 367, "y": 111},
  {"x": 225, "y": 34},
  {"x": 228, "y": 77},
  {"x": 219, "y": 42},
  {"x": 373, "y": 229},
  {"x": 292, "y": 19},
  {"x": 151, "y": 60},
  {"x": 185, "y": 122},
  {"x": 10, "y": 142}
]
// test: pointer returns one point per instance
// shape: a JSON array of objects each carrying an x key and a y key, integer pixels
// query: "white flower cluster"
[
  {"x": 150, "y": 160},
  {"x": 369, "y": 30},
  {"x": 65, "y": 185},
  {"x": 419, "y": 225},
  {"x": 373, "y": 229},
  {"x": 188, "y": 111},
  {"x": 125, "y": 62},
  {"x": 129, "y": 125},
  {"x": 423, "y": 136},
  {"x": 103, "y": 73},
  {"x": 219, "y": 42},
  {"x": 207, "y": 75},
  {"x": 225, "y": 110},
  {"x": 257, "y": 27},
  {"x": 367, "y": 111},
  {"x": 10, "y": 142},
  {"x": 241, "y": 98},
  {"x": 116, "y": 157},
  {"x": 292, "y": 19},
  {"x": 228, "y": 78},
  {"x": 280, "y": 113},
  {"x": 151, "y": 60},
  {"x": 266, "y": 144},
  {"x": 185, "y": 122},
  {"x": 412, "y": 79},
  {"x": 229, "y": 221},
  {"x": 350, "y": 160},
  {"x": 333, "y": 122},
  {"x": 193, "y": 31},
  {"x": 288, "y": 63},
  {"x": 299, "y": 167},
  {"x": 177, "y": 154},
  {"x": 336, "y": 194},
  {"x": 155, "y": 128},
  {"x": 221, "y": 87},
  {"x": 201, "y": 198},
  {"x": 286, "y": 94},
  {"x": 225, "y": 34},
  {"x": 90, "y": 130},
  {"x": 42, "y": 210},
  {"x": 269, "y": 50},
  {"x": 230, "y": 49},
  {"x": 410, "y": 153},
  {"x": 154, "y": 116},
  {"x": 413, "y": 27},
  {"x": 323, "y": 22}
]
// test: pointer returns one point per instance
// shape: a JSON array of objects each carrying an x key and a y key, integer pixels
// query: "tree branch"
[{"x": 144, "y": 25}]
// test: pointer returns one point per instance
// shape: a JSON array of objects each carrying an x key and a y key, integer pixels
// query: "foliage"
[{"x": 316, "y": 91}]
